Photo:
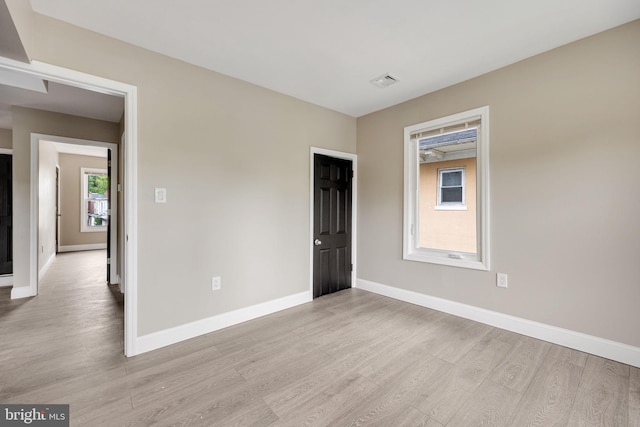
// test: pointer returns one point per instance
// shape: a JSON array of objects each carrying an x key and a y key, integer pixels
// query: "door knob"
[{"x": 317, "y": 242}]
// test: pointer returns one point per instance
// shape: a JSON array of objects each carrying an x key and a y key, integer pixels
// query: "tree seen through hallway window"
[{"x": 95, "y": 206}]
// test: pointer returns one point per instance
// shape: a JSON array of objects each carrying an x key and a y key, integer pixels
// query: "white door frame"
[
  {"x": 129, "y": 93},
  {"x": 354, "y": 208}
]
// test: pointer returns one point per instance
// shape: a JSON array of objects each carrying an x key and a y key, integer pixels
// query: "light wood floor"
[{"x": 347, "y": 359}]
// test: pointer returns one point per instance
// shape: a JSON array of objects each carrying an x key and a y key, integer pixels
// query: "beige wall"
[
  {"x": 47, "y": 160},
  {"x": 16, "y": 29},
  {"x": 6, "y": 138},
  {"x": 70, "y": 166},
  {"x": 453, "y": 230},
  {"x": 234, "y": 158},
  {"x": 564, "y": 201},
  {"x": 25, "y": 122}
]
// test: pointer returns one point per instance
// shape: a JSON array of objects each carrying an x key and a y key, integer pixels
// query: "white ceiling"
[
  {"x": 60, "y": 99},
  {"x": 327, "y": 51},
  {"x": 81, "y": 150}
]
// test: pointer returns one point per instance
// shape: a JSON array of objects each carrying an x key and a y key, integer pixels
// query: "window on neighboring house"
[
  {"x": 451, "y": 188},
  {"x": 446, "y": 204},
  {"x": 94, "y": 200}
]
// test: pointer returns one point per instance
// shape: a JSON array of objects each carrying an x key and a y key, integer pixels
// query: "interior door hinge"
[
  {"x": 351, "y": 267},
  {"x": 352, "y": 174}
]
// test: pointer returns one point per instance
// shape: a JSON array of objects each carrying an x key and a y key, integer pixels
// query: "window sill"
[
  {"x": 93, "y": 230},
  {"x": 450, "y": 207},
  {"x": 444, "y": 258}
]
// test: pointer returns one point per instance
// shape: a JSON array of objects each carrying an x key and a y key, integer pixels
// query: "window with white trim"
[
  {"x": 94, "y": 200},
  {"x": 446, "y": 204}
]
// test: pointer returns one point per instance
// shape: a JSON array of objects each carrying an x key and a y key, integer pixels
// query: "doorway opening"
[
  {"x": 77, "y": 186},
  {"x": 6, "y": 218},
  {"x": 28, "y": 252}
]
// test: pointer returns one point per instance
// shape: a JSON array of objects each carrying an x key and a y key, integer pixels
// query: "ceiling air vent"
[{"x": 384, "y": 80}]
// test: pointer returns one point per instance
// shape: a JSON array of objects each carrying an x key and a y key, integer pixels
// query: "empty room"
[{"x": 336, "y": 213}]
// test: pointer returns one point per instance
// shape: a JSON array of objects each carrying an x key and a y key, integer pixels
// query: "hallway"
[{"x": 71, "y": 332}]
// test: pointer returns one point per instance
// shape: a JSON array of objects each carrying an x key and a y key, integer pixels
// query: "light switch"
[{"x": 161, "y": 195}]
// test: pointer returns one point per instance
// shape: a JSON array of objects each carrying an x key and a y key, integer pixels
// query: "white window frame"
[
  {"x": 452, "y": 205},
  {"x": 84, "y": 188},
  {"x": 411, "y": 226}
]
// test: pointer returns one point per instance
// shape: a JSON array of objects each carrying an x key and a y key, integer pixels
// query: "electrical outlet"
[
  {"x": 502, "y": 280},
  {"x": 216, "y": 283}
]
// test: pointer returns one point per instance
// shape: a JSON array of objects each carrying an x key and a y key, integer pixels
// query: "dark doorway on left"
[{"x": 6, "y": 209}]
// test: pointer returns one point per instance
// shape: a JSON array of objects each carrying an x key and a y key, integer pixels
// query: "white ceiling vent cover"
[{"x": 384, "y": 80}]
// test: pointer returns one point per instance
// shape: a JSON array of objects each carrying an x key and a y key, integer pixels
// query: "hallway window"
[{"x": 94, "y": 200}]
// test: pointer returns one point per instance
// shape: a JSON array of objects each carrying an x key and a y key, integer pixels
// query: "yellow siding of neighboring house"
[{"x": 453, "y": 230}]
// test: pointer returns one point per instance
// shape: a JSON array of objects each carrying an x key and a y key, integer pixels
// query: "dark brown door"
[
  {"x": 57, "y": 208},
  {"x": 332, "y": 263},
  {"x": 6, "y": 223},
  {"x": 109, "y": 216}
]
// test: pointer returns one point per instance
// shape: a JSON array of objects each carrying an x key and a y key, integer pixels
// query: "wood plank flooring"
[{"x": 347, "y": 359}]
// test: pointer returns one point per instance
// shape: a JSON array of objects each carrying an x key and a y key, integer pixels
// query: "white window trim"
[
  {"x": 84, "y": 228},
  {"x": 452, "y": 205},
  {"x": 411, "y": 247}
]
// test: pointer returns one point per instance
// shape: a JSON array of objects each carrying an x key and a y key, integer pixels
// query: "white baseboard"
[
  {"x": 46, "y": 266},
  {"x": 76, "y": 248},
  {"x": 6, "y": 281},
  {"x": 190, "y": 330},
  {"x": 21, "y": 292},
  {"x": 613, "y": 350}
]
